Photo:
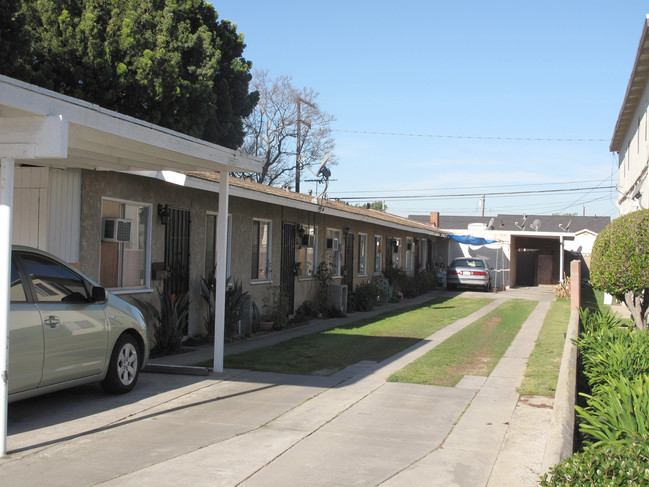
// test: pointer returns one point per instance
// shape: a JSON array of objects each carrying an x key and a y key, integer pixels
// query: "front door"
[
  {"x": 348, "y": 273},
  {"x": 287, "y": 274},
  {"x": 177, "y": 251},
  {"x": 545, "y": 268}
]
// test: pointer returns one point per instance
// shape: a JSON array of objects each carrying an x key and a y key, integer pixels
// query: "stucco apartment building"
[{"x": 135, "y": 207}]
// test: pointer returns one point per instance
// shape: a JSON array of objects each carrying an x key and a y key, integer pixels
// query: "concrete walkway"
[{"x": 263, "y": 429}]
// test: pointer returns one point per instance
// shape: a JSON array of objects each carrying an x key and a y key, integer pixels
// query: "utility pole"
[
  {"x": 300, "y": 100},
  {"x": 483, "y": 196}
]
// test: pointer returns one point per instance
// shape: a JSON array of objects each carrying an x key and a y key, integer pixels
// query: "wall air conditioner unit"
[{"x": 115, "y": 230}]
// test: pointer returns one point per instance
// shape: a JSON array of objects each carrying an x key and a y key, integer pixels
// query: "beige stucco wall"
[
  {"x": 139, "y": 189},
  {"x": 99, "y": 185}
]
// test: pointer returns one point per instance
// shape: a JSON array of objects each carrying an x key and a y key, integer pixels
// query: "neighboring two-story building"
[{"x": 631, "y": 136}]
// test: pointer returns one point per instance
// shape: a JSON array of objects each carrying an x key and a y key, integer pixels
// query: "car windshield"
[{"x": 469, "y": 263}]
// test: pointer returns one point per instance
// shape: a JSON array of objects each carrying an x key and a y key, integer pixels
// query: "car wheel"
[
  {"x": 124, "y": 366},
  {"x": 487, "y": 288}
]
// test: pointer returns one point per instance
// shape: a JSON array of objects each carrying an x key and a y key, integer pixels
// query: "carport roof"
[{"x": 98, "y": 138}]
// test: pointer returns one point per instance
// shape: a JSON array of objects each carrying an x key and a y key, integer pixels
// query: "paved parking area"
[{"x": 253, "y": 428}]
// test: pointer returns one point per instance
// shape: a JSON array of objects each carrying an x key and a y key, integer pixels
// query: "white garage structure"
[{"x": 42, "y": 128}]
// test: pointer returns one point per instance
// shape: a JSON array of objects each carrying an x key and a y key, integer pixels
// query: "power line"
[
  {"x": 515, "y": 185},
  {"x": 475, "y": 137},
  {"x": 472, "y": 195}
]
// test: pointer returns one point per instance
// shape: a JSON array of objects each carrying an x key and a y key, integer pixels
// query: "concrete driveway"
[{"x": 263, "y": 429}]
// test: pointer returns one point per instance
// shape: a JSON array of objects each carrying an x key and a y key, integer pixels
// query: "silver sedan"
[
  {"x": 65, "y": 330},
  {"x": 469, "y": 271}
]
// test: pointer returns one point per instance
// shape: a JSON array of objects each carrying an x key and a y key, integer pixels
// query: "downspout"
[{"x": 561, "y": 243}]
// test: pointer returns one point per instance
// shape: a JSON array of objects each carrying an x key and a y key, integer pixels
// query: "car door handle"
[{"x": 52, "y": 321}]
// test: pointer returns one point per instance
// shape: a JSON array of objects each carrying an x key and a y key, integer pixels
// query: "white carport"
[{"x": 43, "y": 128}]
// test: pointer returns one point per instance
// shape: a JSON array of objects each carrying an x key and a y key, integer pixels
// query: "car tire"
[
  {"x": 124, "y": 366},
  {"x": 487, "y": 288},
  {"x": 450, "y": 287}
]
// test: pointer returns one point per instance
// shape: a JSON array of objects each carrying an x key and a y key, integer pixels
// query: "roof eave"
[{"x": 635, "y": 88}]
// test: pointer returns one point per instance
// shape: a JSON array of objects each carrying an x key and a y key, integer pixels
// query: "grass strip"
[
  {"x": 542, "y": 370},
  {"x": 475, "y": 350},
  {"x": 373, "y": 339},
  {"x": 592, "y": 298}
]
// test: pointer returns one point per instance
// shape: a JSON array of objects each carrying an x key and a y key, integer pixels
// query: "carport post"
[
  {"x": 221, "y": 269},
  {"x": 6, "y": 203}
]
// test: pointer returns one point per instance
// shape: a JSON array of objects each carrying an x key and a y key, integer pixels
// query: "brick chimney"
[{"x": 434, "y": 218}]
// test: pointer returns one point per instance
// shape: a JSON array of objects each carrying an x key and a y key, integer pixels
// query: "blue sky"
[{"x": 464, "y": 80}]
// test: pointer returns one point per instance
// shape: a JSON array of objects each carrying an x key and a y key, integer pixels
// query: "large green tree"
[
  {"x": 169, "y": 62},
  {"x": 14, "y": 44},
  {"x": 620, "y": 263}
]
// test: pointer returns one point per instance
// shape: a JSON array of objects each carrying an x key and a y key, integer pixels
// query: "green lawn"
[
  {"x": 475, "y": 350},
  {"x": 370, "y": 339},
  {"x": 542, "y": 370},
  {"x": 592, "y": 298}
]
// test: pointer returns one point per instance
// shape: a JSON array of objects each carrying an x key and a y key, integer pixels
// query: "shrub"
[
  {"x": 608, "y": 349},
  {"x": 620, "y": 263},
  {"x": 396, "y": 278},
  {"x": 167, "y": 322},
  {"x": 614, "y": 353},
  {"x": 234, "y": 300},
  {"x": 562, "y": 290},
  {"x": 618, "y": 413},
  {"x": 614, "y": 465},
  {"x": 364, "y": 298}
]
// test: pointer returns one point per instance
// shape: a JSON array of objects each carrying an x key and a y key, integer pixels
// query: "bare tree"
[{"x": 272, "y": 130}]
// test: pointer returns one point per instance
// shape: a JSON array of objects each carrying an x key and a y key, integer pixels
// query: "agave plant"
[
  {"x": 168, "y": 321},
  {"x": 234, "y": 301}
]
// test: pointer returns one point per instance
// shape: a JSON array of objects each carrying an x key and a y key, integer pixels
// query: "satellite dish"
[
  {"x": 321, "y": 167},
  {"x": 536, "y": 224},
  {"x": 490, "y": 225}
]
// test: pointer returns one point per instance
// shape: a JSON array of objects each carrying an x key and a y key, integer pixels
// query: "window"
[
  {"x": 307, "y": 251},
  {"x": 362, "y": 254},
  {"x": 260, "y": 250},
  {"x": 409, "y": 251},
  {"x": 333, "y": 247},
  {"x": 16, "y": 290},
  {"x": 378, "y": 255},
  {"x": 125, "y": 261},
  {"x": 210, "y": 244},
  {"x": 52, "y": 282}
]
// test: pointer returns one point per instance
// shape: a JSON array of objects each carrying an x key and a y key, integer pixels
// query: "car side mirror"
[{"x": 99, "y": 295}]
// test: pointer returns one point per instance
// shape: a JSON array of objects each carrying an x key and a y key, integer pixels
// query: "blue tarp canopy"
[{"x": 468, "y": 239}]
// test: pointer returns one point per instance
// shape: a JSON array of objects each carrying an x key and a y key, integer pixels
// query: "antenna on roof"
[
  {"x": 323, "y": 174},
  {"x": 567, "y": 229}
]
